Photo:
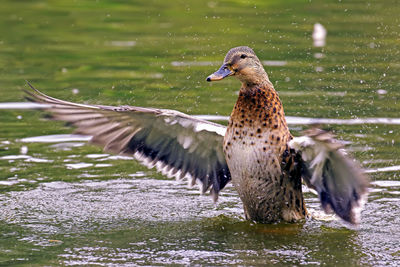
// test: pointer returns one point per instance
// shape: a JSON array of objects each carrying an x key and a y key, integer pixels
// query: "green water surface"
[{"x": 114, "y": 212}]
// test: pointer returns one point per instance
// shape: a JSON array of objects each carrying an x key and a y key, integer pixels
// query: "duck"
[{"x": 255, "y": 152}]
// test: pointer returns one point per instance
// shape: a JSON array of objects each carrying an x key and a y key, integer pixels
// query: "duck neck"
[
  {"x": 260, "y": 102},
  {"x": 253, "y": 76}
]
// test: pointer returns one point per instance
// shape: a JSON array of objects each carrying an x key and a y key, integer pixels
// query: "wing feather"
[
  {"x": 341, "y": 184},
  {"x": 175, "y": 143}
]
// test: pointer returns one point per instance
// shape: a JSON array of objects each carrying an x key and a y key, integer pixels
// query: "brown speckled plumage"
[{"x": 254, "y": 145}]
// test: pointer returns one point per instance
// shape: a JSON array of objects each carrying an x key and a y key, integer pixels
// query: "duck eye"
[{"x": 243, "y": 56}]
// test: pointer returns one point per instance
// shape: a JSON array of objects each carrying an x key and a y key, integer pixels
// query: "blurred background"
[{"x": 69, "y": 204}]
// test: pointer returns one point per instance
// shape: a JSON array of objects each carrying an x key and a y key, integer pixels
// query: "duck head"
[{"x": 242, "y": 63}]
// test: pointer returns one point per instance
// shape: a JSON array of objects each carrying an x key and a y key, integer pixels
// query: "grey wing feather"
[
  {"x": 341, "y": 184},
  {"x": 175, "y": 143}
]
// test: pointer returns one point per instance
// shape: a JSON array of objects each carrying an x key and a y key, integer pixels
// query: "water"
[{"x": 66, "y": 203}]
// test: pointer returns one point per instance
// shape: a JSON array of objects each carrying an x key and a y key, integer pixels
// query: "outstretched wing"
[
  {"x": 175, "y": 143},
  {"x": 341, "y": 184}
]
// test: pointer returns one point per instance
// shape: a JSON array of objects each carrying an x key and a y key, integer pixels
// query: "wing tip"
[
  {"x": 341, "y": 183},
  {"x": 33, "y": 88},
  {"x": 214, "y": 195},
  {"x": 30, "y": 85},
  {"x": 350, "y": 213},
  {"x": 357, "y": 208},
  {"x": 34, "y": 95}
]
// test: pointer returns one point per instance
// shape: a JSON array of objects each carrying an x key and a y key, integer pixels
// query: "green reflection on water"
[{"x": 123, "y": 52}]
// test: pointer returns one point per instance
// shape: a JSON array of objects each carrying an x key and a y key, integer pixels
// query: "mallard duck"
[{"x": 256, "y": 151}]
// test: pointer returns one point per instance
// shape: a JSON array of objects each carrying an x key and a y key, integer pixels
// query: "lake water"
[{"x": 63, "y": 202}]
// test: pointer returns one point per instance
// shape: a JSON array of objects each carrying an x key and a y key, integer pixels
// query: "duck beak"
[{"x": 223, "y": 72}]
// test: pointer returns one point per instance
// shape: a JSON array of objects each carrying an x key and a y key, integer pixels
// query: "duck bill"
[{"x": 223, "y": 72}]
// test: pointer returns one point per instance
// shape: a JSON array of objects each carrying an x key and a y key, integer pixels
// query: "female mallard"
[{"x": 256, "y": 151}]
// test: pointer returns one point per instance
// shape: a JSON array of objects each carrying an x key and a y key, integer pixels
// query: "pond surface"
[{"x": 63, "y": 202}]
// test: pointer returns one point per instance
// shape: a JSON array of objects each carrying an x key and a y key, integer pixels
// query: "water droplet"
[
  {"x": 23, "y": 150},
  {"x": 381, "y": 92}
]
